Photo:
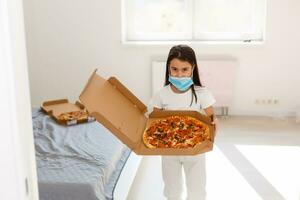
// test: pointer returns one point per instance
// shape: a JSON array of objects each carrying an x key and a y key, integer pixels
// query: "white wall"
[
  {"x": 68, "y": 39},
  {"x": 17, "y": 163}
]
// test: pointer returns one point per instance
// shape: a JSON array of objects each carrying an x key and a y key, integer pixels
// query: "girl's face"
[{"x": 179, "y": 68}]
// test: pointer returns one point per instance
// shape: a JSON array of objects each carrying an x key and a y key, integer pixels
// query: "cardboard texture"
[
  {"x": 56, "y": 107},
  {"x": 120, "y": 111}
]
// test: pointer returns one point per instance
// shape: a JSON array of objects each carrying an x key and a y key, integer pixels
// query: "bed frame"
[{"x": 127, "y": 176}]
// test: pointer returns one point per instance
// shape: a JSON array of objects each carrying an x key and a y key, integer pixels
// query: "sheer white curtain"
[
  {"x": 199, "y": 20},
  {"x": 229, "y": 19}
]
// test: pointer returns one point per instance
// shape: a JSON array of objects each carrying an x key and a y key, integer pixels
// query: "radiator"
[{"x": 217, "y": 75}]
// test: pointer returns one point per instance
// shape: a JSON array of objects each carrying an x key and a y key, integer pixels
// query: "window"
[{"x": 193, "y": 20}]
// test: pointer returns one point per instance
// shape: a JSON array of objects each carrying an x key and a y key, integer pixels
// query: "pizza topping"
[
  {"x": 176, "y": 132},
  {"x": 74, "y": 115}
]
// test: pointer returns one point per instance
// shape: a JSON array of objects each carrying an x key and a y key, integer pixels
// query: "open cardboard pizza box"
[
  {"x": 56, "y": 107},
  {"x": 114, "y": 106}
]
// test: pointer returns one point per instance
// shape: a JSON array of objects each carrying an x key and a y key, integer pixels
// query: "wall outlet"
[{"x": 269, "y": 101}]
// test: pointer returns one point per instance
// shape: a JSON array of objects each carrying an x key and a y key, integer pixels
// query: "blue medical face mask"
[{"x": 181, "y": 83}]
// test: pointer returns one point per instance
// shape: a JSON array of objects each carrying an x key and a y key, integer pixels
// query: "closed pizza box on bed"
[{"x": 120, "y": 111}]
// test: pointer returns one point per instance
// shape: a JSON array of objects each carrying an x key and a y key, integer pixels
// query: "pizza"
[
  {"x": 74, "y": 115},
  {"x": 176, "y": 132}
]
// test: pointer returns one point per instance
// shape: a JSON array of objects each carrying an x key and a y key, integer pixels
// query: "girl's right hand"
[{"x": 157, "y": 109}]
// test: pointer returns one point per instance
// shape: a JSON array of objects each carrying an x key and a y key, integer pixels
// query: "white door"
[{"x": 17, "y": 161}]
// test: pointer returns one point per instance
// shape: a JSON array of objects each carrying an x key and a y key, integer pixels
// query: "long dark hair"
[{"x": 184, "y": 53}]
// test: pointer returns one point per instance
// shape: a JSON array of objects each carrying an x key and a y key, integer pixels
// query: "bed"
[{"x": 81, "y": 162}]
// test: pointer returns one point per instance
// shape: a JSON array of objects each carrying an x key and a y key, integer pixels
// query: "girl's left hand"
[{"x": 214, "y": 122}]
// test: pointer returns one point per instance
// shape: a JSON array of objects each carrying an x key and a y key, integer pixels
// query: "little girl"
[{"x": 183, "y": 91}]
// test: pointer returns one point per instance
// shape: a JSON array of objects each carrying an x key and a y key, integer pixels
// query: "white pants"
[{"x": 195, "y": 176}]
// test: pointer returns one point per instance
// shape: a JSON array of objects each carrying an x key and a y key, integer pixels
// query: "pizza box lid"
[
  {"x": 120, "y": 111},
  {"x": 56, "y": 107}
]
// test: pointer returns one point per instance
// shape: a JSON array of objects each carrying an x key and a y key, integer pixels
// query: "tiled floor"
[{"x": 254, "y": 158}]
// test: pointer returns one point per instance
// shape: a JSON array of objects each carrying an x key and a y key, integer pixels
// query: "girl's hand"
[
  {"x": 214, "y": 122},
  {"x": 212, "y": 118}
]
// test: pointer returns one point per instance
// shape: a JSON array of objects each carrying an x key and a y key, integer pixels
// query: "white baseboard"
[{"x": 267, "y": 113}]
